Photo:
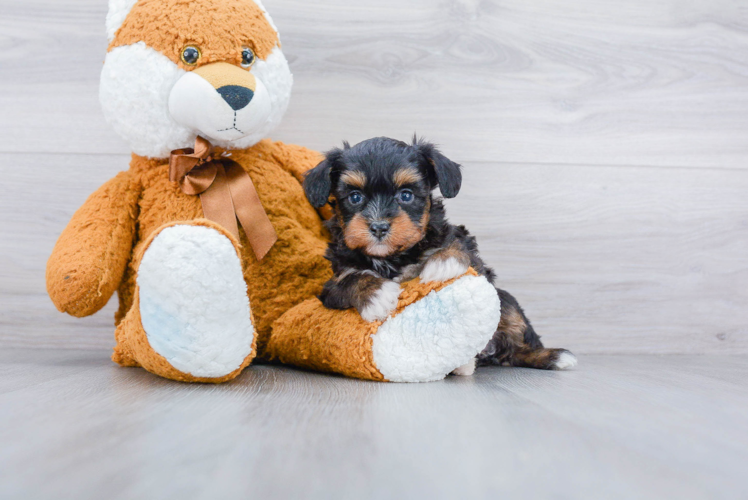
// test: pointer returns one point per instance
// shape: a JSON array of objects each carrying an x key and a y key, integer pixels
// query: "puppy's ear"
[
  {"x": 441, "y": 169},
  {"x": 318, "y": 181}
]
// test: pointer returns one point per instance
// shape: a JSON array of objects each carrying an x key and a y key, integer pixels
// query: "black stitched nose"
[
  {"x": 238, "y": 97},
  {"x": 379, "y": 229}
]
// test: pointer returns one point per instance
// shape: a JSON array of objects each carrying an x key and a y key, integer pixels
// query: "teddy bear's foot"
[
  {"x": 436, "y": 329},
  {"x": 191, "y": 307},
  {"x": 439, "y": 333}
]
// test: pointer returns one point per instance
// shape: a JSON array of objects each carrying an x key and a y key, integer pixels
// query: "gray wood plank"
[
  {"x": 618, "y": 427},
  {"x": 604, "y": 259},
  {"x": 586, "y": 82},
  {"x": 609, "y": 259}
]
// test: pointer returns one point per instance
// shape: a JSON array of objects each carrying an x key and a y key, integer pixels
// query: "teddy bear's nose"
[{"x": 236, "y": 96}]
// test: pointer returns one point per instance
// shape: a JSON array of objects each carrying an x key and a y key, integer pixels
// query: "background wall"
[{"x": 604, "y": 143}]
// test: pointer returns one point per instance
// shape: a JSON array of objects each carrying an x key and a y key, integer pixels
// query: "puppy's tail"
[{"x": 516, "y": 343}]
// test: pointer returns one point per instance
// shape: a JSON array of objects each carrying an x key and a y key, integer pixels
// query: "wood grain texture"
[
  {"x": 617, "y": 427},
  {"x": 609, "y": 259},
  {"x": 586, "y": 82}
]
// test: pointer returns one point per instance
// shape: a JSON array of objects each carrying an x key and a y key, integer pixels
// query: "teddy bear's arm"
[
  {"x": 90, "y": 257},
  {"x": 298, "y": 160}
]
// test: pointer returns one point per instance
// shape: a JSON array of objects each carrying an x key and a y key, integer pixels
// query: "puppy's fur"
[{"x": 388, "y": 228}]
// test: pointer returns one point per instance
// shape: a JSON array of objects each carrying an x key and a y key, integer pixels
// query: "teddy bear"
[{"x": 208, "y": 239}]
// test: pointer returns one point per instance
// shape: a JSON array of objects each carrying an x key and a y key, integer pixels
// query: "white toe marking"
[
  {"x": 439, "y": 333},
  {"x": 565, "y": 360},
  {"x": 442, "y": 270},
  {"x": 193, "y": 301},
  {"x": 382, "y": 303},
  {"x": 465, "y": 370}
]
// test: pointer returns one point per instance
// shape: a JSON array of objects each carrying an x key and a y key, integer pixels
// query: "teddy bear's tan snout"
[{"x": 236, "y": 86}]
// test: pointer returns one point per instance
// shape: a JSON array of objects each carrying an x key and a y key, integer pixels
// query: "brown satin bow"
[{"x": 226, "y": 193}]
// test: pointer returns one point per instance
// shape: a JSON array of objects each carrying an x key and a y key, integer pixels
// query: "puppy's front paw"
[
  {"x": 382, "y": 303},
  {"x": 438, "y": 269}
]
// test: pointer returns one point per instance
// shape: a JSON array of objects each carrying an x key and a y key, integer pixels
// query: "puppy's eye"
[
  {"x": 248, "y": 57},
  {"x": 190, "y": 55},
  {"x": 405, "y": 196},
  {"x": 356, "y": 198}
]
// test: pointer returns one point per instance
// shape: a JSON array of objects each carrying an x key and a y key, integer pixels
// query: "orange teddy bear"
[{"x": 201, "y": 296}]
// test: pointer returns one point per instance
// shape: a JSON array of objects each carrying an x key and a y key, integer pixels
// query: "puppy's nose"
[
  {"x": 237, "y": 96},
  {"x": 379, "y": 228}
]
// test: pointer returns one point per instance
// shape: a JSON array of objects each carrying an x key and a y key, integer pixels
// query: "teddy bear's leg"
[
  {"x": 436, "y": 328},
  {"x": 190, "y": 318}
]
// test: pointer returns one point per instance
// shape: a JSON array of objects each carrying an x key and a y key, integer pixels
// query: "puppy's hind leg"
[
  {"x": 515, "y": 342},
  {"x": 465, "y": 370},
  {"x": 545, "y": 359}
]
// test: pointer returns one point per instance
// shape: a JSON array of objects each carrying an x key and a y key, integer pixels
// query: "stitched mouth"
[{"x": 233, "y": 127}]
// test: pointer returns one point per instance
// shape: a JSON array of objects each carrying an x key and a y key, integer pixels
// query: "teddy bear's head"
[{"x": 176, "y": 69}]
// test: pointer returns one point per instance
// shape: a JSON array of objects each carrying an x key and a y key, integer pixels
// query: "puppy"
[{"x": 388, "y": 228}]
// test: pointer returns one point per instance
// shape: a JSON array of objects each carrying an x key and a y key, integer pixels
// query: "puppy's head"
[{"x": 382, "y": 191}]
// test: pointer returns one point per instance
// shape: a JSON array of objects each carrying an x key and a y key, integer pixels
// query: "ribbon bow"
[{"x": 226, "y": 192}]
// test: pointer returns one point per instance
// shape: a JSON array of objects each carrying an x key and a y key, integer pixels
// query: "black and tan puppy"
[{"x": 388, "y": 228}]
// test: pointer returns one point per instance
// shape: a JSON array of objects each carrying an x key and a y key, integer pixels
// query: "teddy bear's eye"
[
  {"x": 248, "y": 57},
  {"x": 190, "y": 55}
]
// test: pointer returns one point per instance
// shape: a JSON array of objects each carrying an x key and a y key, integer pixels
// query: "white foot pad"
[
  {"x": 439, "y": 333},
  {"x": 193, "y": 301}
]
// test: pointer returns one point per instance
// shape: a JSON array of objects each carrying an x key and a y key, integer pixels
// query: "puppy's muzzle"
[{"x": 379, "y": 229}]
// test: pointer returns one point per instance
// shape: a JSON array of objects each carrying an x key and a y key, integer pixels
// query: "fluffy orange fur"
[
  {"x": 95, "y": 252},
  {"x": 219, "y": 30}
]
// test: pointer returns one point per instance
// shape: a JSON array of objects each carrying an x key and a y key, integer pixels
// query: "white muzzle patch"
[
  {"x": 196, "y": 105},
  {"x": 158, "y": 107}
]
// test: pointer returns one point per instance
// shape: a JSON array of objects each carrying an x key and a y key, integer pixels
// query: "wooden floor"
[{"x": 74, "y": 425}]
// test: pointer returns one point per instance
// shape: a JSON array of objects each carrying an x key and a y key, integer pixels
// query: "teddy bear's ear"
[
  {"x": 118, "y": 11},
  {"x": 442, "y": 170},
  {"x": 318, "y": 181}
]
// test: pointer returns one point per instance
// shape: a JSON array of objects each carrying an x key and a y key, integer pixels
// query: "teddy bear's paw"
[
  {"x": 383, "y": 303},
  {"x": 438, "y": 334},
  {"x": 193, "y": 301},
  {"x": 438, "y": 269}
]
